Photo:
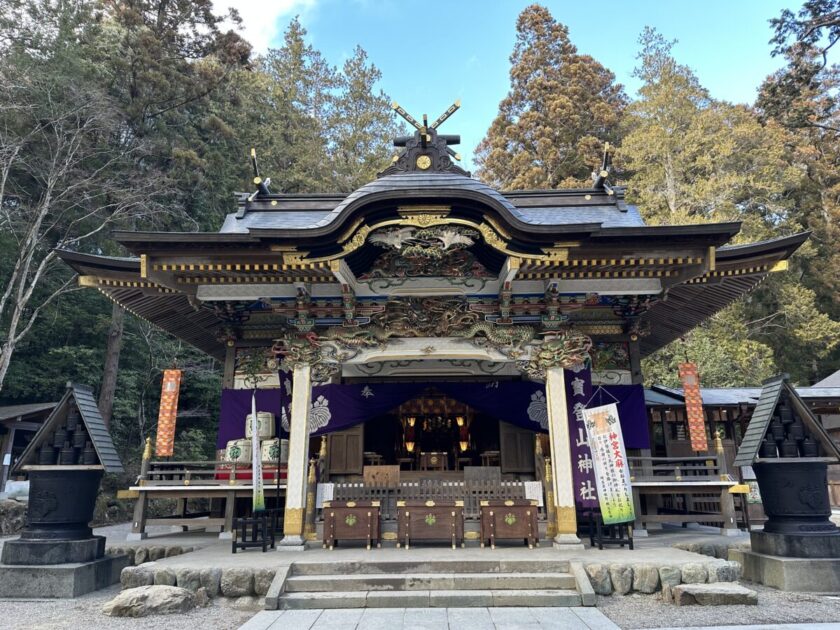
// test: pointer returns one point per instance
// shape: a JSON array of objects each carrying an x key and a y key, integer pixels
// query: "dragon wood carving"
[
  {"x": 438, "y": 251},
  {"x": 565, "y": 349}
]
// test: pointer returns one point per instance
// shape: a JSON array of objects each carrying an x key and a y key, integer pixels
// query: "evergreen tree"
[
  {"x": 363, "y": 126},
  {"x": 691, "y": 159},
  {"x": 561, "y": 108},
  {"x": 802, "y": 97}
]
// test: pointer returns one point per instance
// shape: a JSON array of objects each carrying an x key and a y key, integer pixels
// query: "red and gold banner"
[
  {"x": 168, "y": 412},
  {"x": 693, "y": 406}
]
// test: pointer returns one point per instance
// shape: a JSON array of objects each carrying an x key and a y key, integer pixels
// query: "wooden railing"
[
  {"x": 471, "y": 494},
  {"x": 203, "y": 473},
  {"x": 684, "y": 469}
]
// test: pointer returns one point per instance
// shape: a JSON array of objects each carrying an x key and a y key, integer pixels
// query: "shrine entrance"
[{"x": 433, "y": 436}]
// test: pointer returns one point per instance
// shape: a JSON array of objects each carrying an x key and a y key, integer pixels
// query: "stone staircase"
[{"x": 436, "y": 583}]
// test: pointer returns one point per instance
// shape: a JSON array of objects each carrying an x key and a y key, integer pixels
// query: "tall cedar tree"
[
  {"x": 561, "y": 108},
  {"x": 803, "y": 98},
  {"x": 190, "y": 158},
  {"x": 691, "y": 159}
]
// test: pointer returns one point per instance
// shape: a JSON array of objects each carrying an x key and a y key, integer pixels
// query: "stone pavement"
[{"x": 432, "y": 619}]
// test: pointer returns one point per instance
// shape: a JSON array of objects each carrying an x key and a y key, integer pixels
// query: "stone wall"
[
  {"x": 243, "y": 584},
  {"x": 621, "y": 579},
  {"x": 140, "y": 554}
]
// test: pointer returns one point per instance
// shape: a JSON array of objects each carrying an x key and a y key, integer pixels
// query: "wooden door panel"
[
  {"x": 346, "y": 451},
  {"x": 517, "y": 449}
]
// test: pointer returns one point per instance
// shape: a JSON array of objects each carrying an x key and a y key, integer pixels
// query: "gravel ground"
[
  {"x": 84, "y": 613},
  {"x": 774, "y": 607}
]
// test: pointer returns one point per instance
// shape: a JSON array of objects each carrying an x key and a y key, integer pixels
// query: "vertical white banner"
[
  {"x": 612, "y": 473},
  {"x": 256, "y": 458}
]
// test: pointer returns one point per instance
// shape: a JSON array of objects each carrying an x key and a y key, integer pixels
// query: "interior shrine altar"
[{"x": 431, "y": 335}]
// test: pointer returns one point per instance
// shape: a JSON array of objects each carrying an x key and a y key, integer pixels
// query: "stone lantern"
[
  {"x": 790, "y": 452},
  {"x": 57, "y": 554}
]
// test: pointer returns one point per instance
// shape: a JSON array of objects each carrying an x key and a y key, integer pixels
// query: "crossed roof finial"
[{"x": 426, "y": 149}]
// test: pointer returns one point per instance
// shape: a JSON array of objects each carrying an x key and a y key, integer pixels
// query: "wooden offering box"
[
  {"x": 430, "y": 520},
  {"x": 509, "y": 519},
  {"x": 351, "y": 520}
]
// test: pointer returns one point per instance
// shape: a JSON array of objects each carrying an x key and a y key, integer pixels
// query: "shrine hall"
[{"x": 430, "y": 338}]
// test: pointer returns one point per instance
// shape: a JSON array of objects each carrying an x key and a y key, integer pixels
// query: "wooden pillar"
[
  {"x": 636, "y": 376},
  {"x": 229, "y": 367},
  {"x": 138, "y": 525},
  {"x": 8, "y": 445},
  {"x": 298, "y": 457},
  {"x": 561, "y": 460}
]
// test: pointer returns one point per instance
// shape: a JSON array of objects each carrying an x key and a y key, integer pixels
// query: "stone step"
[
  {"x": 429, "y": 582},
  {"x": 430, "y": 566},
  {"x": 429, "y": 599}
]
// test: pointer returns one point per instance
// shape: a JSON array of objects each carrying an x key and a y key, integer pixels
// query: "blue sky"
[{"x": 431, "y": 53}]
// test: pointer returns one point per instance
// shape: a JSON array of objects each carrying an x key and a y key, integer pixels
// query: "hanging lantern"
[
  {"x": 409, "y": 446},
  {"x": 464, "y": 445},
  {"x": 411, "y": 421}
]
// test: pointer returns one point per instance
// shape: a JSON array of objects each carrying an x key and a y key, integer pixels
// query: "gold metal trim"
[
  {"x": 566, "y": 520},
  {"x": 293, "y": 521}
]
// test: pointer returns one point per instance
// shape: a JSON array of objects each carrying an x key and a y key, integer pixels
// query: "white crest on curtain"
[
  {"x": 367, "y": 392},
  {"x": 287, "y": 384},
  {"x": 319, "y": 414},
  {"x": 538, "y": 409}
]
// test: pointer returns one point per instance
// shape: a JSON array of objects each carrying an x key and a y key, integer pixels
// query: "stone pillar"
[
  {"x": 561, "y": 460},
  {"x": 298, "y": 458}
]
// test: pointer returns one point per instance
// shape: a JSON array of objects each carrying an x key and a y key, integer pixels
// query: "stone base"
[
  {"x": 567, "y": 542},
  {"x": 730, "y": 531},
  {"x": 60, "y": 580},
  {"x": 136, "y": 537},
  {"x": 793, "y": 546},
  {"x": 813, "y": 575},
  {"x": 291, "y": 543},
  {"x": 43, "y": 552}
]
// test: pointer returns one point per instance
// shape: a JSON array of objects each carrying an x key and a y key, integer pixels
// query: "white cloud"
[{"x": 261, "y": 19}]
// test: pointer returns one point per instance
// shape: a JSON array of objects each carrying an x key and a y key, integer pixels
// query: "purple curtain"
[{"x": 337, "y": 407}]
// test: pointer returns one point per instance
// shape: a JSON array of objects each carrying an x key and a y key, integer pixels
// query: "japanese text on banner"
[{"x": 612, "y": 473}]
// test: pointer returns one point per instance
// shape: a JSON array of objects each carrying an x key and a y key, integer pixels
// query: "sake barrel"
[
  {"x": 238, "y": 451},
  {"x": 265, "y": 422},
  {"x": 269, "y": 450}
]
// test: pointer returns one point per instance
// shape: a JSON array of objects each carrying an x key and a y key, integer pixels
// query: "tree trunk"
[
  {"x": 112, "y": 363},
  {"x": 6, "y": 352}
]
